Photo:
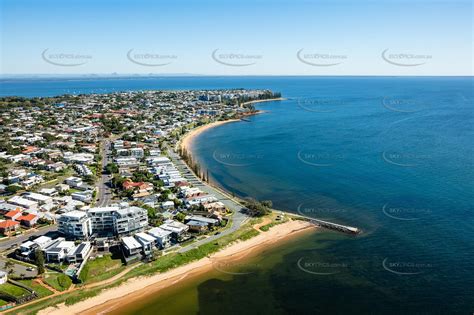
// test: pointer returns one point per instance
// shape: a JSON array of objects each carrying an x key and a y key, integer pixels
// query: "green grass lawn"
[
  {"x": 59, "y": 281},
  {"x": 39, "y": 289},
  {"x": 13, "y": 289},
  {"x": 101, "y": 268},
  {"x": 3, "y": 302}
]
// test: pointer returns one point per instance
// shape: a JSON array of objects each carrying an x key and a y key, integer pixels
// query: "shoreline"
[
  {"x": 139, "y": 288},
  {"x": 187, "y": 140}
]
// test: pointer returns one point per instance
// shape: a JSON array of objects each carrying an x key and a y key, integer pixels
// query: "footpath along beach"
[{"x": 133, "y": 290}]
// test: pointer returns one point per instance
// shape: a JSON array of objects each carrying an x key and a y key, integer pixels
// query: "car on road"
[{"x": 30, "y": 269}]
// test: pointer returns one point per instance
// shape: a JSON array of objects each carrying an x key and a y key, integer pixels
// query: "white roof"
[
  {"x": 130, "y": 242},
  {"x": 66, "y": 244},
  {"x": 145, "y": 237},
  {"x": 103, "y": 209},
  {"x": 39, "y": 197},
  {"x": 27, "y": 244},
  {"x": 42, "y": 240},
  {"x": 158, "y": 232},
  {"x": 22, "y": 201},
  {"x": 75, "y": 214},
  {"x": 174, "y": 226}
]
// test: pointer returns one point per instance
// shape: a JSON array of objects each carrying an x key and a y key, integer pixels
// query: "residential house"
[
  {"x": 23, "y": 202},
  {"x": 28, "y": 220},
  {"x": 8, "y": 226},
  {"x": 147, "y": 241},
  {"x": 13, "y": 215},
  {"x": 58, "y": 251},
  {"x": 162, "y": 237},
  {"x": 131, "y": 246},
  {"x": 79, "y": 253}
]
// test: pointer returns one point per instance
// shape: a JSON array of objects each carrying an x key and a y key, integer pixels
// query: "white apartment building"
[
  {"x": 76, "y": 224},
  {"x": 118, "y": 220}
]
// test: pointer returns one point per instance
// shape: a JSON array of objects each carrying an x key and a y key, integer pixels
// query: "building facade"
[{"x": 76, "y": 224}]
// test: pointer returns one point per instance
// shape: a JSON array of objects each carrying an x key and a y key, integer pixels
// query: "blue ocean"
[{"x": 392, "y": 156}]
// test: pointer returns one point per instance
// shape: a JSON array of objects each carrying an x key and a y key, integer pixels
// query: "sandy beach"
[
  {"x": 188, "y": 138},
  {"x": 137, "y": 288}
]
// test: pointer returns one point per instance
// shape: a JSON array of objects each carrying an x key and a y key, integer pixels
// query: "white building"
[
  {"x": 131, "y": 246},
  {"x": 118, "y": 220},
  {"x": 58, "y": 251},
  {"x": 79, "y": 253},
  {"x": 137, "y": 152},
  {"x": 73, "y": 181},
  {"x": 43, "y": 241},
  {"x": 39, "y": 198},
  {"x": 22, "y": 202},
  {"x": 175, "y": 227},
  {"x": 162, "y": 237},
  {"x": 76, "y": 224},
  {"x": 84, "y": 196},
  {"x": 3, "y": 277},
  {"x": 147, "y": 241},
  {"x": 79, "y": 158}
]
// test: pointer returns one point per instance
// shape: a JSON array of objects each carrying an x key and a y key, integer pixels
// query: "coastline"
[
  {"x": 136, "y": 289},
  {"x": 187, "y": 140}
]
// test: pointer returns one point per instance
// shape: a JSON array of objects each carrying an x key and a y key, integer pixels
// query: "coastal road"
[
  {"x": 238, "y": 216},
  {"x": 17, "y": 240}
]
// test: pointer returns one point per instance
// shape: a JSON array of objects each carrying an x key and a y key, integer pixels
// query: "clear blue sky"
[{"x": 268, "y": 34}]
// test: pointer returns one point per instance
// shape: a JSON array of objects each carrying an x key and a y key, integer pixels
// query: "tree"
[
  {"x": 180, "y": 216},
  {"x": 111, "y": 168},
  {"x": 13, "y": 188},
  {"x": 259, "y": 208},
  {"x": 39, "y": 261}
]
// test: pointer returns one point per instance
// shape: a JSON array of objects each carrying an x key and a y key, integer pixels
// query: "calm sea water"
[{"x": 392, "y": 156}]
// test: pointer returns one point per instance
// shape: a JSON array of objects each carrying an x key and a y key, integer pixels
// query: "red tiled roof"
[
  {"x": 28, "y": 217},
  {"x": 7, "y": 224},
  {"x": 12, "y": 213},
  {"x": 30, "y": 149}
]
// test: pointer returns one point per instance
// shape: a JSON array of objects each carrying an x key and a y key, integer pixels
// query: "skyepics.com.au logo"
[
  {"x": 235, "y": 268},
  {"x": 405, "y": 213},
  {"x": 319, "y": 159},
  {"x": 319, "y": 268},
  {"x": 62, "y": 59},
  {"x": 317, "y": 59},
  {"x": 405, "y": 268},
  {"x": 318, "y": 212},
  {"x": 403, "y": 105},
  {"x": 320, "y": 105},
  {"x": 150, "y": 59},
  {"x": 235, "y": 59},
  {"x": 237, "y": 159},
  {"x": 403, "y": 59},
  {"x": 405, "y": 159}
]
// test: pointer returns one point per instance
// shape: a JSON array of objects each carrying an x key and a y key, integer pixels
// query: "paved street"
[{"x": 21, "y": 238}]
